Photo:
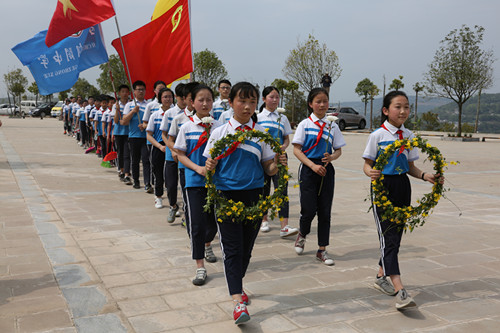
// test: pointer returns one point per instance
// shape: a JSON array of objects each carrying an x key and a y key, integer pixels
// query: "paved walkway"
[{"x": 81, "y": 252}]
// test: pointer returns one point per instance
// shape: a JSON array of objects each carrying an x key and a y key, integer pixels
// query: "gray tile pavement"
[{"x": 81, "y": 252}]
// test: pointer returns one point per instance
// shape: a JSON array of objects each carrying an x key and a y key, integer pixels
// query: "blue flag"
[{"x": 57, "y": 68}]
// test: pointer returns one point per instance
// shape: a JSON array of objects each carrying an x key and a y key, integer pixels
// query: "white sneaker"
[
  {"x": 288, "y": 231},
  {"x": 158, "y": 203},
  {"x": 265, "y": 227}
]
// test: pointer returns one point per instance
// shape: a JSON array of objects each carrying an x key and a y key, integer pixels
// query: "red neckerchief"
[
  {"x": 400, "y": 136},
  {"x": 235, "y": 145},
  {"x": 203, "y": 137},
  {"x": 320, "y": 133}
]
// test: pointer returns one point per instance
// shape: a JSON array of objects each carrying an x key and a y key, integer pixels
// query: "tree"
[
  {"x": 208, "y": 68},
  {"x": 418, "y": 88},
  {"x": 460, "y": 68},
  {"x": 16, "y": 83},
  {"x": 119, "y": 74},
  {"x": 292, "y": 88},
  {"x": 374, "y": 91},
  {"x": 83, "y": 88},
  {"x": 363, "y": 90},
  {"x": 33, "y": 88},
  {"x": 63, "y": 95},
  {"x": 281, "y": 85},
  {"x": 296, "y": 106},
  {"x": 307, "y": 63},
  {"x": 397, "y": 84}
]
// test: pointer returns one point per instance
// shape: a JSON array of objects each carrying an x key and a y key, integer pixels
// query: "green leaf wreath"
[
  {"x": 237, "y": 211},
  {"x": 409, "y": 217}
]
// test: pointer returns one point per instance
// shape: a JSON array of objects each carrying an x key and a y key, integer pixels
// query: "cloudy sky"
[{"x": 372, "y": 38}]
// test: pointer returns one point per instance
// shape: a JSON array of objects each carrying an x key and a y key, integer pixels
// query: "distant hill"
[
  {"x": 489, "y": 113},
  {"x": 447, "y": 110}
]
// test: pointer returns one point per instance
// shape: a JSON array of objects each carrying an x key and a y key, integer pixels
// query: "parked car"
[
  {"x": 56, "y": 110},
  {"x": 7, "y": 109},
  {"x": 347, "y": 116},
  {"x": 26, "y": 106},
  {"x": 42, "y": 108}
]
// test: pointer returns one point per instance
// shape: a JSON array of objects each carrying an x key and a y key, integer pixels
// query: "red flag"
[
  {"x": 160, "y": 50},
  {"x": 71, "y": 16}
]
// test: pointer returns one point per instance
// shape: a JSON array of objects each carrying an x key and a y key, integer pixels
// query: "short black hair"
[
  {"x": 179, "y": 90},
  {"x": 188, "y": 88},
  {"x": 243, "y": 90},
  {"x": 138, "y": 83},
  {"x": 226, "y": 81},
  {"x": 123, "y": 86},
  {"x": 158, "y": 83}
]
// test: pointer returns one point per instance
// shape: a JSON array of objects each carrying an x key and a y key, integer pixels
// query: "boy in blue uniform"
[{"x": 132, "y": 115}]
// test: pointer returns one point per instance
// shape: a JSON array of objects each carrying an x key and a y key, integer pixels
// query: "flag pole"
[
  {"x": 126, "y": 63},
  {"x": 112, "y": 80},
  {"x": 127, "y": 68}
]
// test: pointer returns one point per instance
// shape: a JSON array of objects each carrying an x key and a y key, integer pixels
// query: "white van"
[{"x": 26, "y": 106}]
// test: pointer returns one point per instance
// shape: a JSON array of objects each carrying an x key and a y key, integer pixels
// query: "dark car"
[
  {"x": 347, "y": 116},
  {"x": 44, "y": 108}
]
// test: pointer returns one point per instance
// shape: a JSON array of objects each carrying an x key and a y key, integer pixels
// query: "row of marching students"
[
  {"x": 174, "y": 143},
  {"x": 241, "y": 173}
]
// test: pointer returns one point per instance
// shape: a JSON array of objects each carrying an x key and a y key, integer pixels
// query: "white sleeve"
[
  {"x": 371, "y": 148},
  {"x": 300, "y": 134},
  {"x": 338, "y": 138},
  {"x": 267, "y": 152},
  {"x": 174, "y": 128},
  {"x": 147, "y": 112},
  {"x": 127, "y": 108},
  {"x": 180, "y": 140},
  {"x": 164, "y": 123},
  {"x": 286, "y": 125},
  {"x": 151, "y": 124}
]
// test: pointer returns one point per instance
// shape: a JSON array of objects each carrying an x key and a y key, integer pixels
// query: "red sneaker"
[
  {"x": 245, "y": 299},
  {"x": 240, "y": 313}
]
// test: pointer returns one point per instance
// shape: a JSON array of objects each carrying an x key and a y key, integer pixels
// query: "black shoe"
[
  {"x": 148, "y": 188},
  {"x": 121, "y": 176},
  {"x": 127, "y": 180},
  {"x": 137, "y": 185}
]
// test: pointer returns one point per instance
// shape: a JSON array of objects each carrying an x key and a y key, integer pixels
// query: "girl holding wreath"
[
  {"x": 239, "y": 175},
  {"x": 395, "y": 111}
]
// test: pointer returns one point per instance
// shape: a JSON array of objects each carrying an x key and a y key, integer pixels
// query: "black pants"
[
  {"x": 157, "y": 159},
  {"x": 182, "y": 179},
  {"x": 171, "y": 175},
  {"x": 201, "y": 225},
  {"x": 152, "y": 174},
  {"x": 123, "y": 152},
  {"x": 83, "y": 132},
  {"x": 285, "y": 209},
  {"x": 390, "y": 234},
  {"x": 237, "y": 240},
  {"x": 311, "y": 203},
  {"x": 139, "y": 151},
  {"x": 104, "y": 147},
  {"x": 66, "y": 124}
]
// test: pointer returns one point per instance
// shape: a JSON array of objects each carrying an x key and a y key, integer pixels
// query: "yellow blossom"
[
  {"x": 415, "y": 143},
  {"x": 428, "y": 145},
  {"x": 219, "y": 219}
]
